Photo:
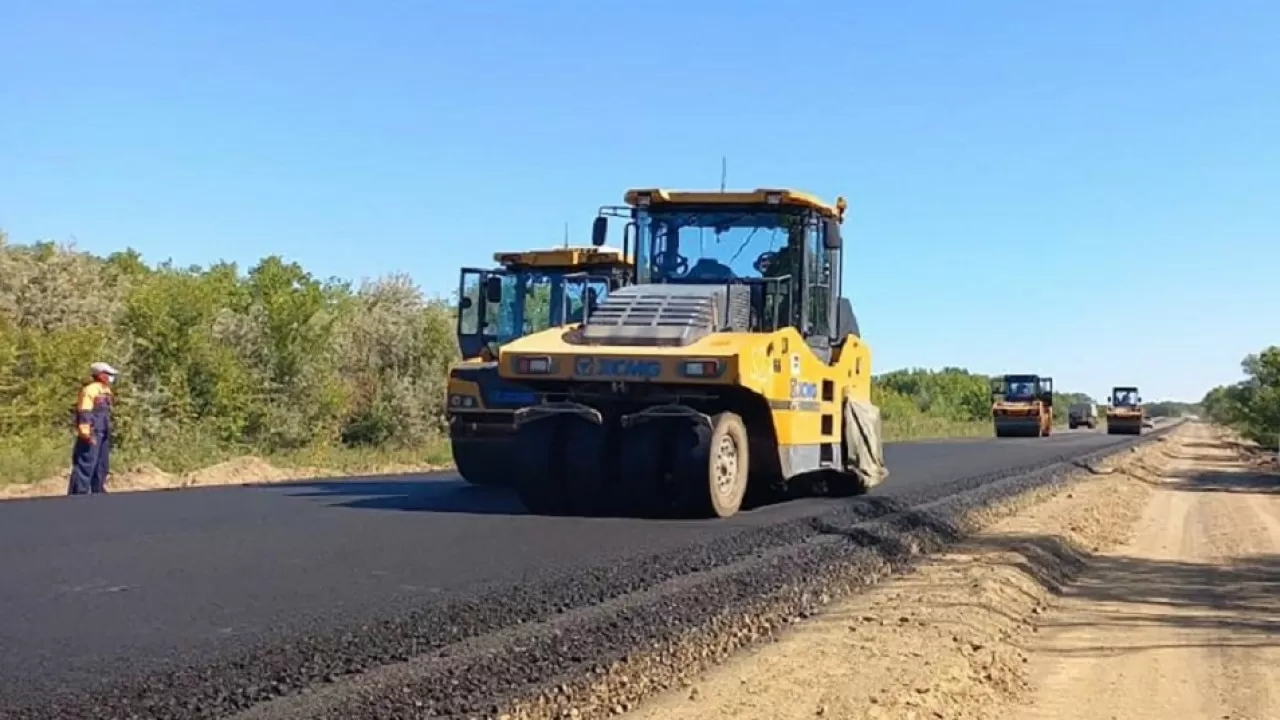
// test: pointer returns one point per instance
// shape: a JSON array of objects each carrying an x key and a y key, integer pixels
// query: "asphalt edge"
[
  {"x": 603, "y": 660},
  {"x": 876, "y": 550}
]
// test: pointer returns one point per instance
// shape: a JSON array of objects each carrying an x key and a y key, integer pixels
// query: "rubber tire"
[
  {"x": 696, "y": 467},
  {"x": 540, "y": 462},
  {"x": 482, "y": 463},
  {"x": 644, "y": 466},
  {"x": 586, "y": 467}
]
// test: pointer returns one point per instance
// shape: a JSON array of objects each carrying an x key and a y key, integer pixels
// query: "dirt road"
[
  {"x": 1185, "y": 620},
  {"x": 1148, "y": 592}
]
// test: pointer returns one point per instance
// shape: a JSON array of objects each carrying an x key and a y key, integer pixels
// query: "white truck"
[{"x": 1082, "y": 413}]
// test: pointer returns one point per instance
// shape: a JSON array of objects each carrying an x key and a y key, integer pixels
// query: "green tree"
[{"x": 1252, "y": 405}]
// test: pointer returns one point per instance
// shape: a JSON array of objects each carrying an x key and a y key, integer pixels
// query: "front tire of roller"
[
  {"x": 482, "y": 462},
  {"x": 539, "y": 474},
  {"x": 717, "y": 466}
]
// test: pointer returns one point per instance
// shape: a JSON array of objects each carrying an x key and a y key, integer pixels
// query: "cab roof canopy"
[
  {"x": 560, "y": 257},
  {"x": 762, "y": 196}
]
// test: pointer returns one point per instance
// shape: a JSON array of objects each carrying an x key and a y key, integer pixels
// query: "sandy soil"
[
  {"x": 1185, "y": 620},
  {"x": 238, "y": 471},
  {"x": 1155, "y": 551}
]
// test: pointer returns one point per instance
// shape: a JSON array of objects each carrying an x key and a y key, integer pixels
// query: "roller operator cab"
[
  {"x": 1125, "y": 414},
  {"x": 1022, "y": 406},
  {"x": 731, "y": 366},
  {"x": 526, "y": 292}
]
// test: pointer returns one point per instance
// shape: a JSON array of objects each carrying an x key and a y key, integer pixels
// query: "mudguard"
[{"x": 864, "y": 438}]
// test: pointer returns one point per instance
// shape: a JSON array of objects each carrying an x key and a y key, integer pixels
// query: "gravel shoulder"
[{"x": 1009, "y": 622}]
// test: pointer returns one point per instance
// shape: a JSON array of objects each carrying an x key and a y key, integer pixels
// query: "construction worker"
[{"x": 90, "y": 460}]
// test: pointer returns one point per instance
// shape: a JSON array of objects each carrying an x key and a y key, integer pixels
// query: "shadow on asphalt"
[
  {"x": 458, "y": 496},
  {"x": 447, "y": 496}
]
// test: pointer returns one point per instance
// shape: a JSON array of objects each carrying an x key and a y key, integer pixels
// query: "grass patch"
[
  {"x": 35, "y": 458},
  {"x": 365, "y": 459},
  {"x": 923, "y": 427},
  {"x": 25, "y": 459}
]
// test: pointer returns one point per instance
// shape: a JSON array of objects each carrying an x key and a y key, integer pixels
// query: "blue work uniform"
[{"x": 91, "y": 457}]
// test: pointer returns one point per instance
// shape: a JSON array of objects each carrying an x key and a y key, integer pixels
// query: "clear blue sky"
[{"x": 1100, "y": 173}]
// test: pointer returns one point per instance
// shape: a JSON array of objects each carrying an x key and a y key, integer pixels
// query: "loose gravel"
[{"x": 585, "y": 645}]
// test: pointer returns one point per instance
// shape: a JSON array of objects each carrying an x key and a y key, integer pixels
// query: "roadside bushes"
[
  {"x": 215, "y": 361},
  {"x": 1251, "y": 406}
]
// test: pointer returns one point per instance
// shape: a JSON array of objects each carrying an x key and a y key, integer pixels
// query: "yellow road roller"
[
  {"x": 1022, "y": 406},
  {"x": 733, "y": 364},
  {"x": 1125, "y": 414}
]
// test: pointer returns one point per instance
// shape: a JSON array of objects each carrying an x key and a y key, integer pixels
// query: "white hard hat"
[{"x": 100, "y": 367}]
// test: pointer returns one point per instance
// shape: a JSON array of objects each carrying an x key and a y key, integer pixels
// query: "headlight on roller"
[
  {"x": 538, "y": 365},
  {"x": 700, "y": 368}
]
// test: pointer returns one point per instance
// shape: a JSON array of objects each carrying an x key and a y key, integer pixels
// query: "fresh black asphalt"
[{"x": 98, "y": 589}]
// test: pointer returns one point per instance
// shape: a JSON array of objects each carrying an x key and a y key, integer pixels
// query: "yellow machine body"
[
  {"x": 802, "y": 393},
  {"x": 676, "y": 364},
  {"x": 1125, "y": 413},
  {"x": 1022, "y": 406}
]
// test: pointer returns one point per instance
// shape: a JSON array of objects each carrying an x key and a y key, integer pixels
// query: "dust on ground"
[
  {"x": 993, "y": 627},
  {"x": 237, "y": 471},
  {"x": 1185, "y": 620}
]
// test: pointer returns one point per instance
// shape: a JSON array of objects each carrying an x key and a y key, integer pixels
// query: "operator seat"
[{"x": 710, "y": 269}]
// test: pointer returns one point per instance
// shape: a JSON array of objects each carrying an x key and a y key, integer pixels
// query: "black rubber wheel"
[
  {"x": 540, "y": 467},
  {"x": 644, "y": 469},
  {"x": 483, "y": 461},
  {"x": 712, "y": 466},
  {"x": 587, "y": 467}
]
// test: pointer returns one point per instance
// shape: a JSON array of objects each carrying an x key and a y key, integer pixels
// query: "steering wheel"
[
  {"x": 681, "y": 265},
  {"x": 766, "y": 260}
]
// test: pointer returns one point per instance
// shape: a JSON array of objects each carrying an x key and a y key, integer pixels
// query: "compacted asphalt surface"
[{"x": 97, "y": 587}]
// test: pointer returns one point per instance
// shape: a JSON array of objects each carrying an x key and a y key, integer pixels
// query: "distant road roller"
[
  {"x": 528, "y": 291},
  {"x": 1022, "y": 406},
  {"x": 1125, "y": 414},
  {"x": 732, "y": 365}
]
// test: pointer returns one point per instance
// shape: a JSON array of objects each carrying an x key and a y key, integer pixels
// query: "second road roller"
[{"x": 1022, "y": 406}]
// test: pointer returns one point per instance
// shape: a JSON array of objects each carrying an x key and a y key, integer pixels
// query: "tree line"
[
  {"x": 218, "y": 361},
  {"x": 1252, "y": 405}
]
